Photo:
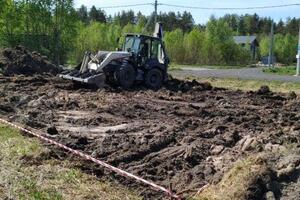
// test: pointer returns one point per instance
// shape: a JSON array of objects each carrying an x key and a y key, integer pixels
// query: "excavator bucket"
[{"x": 87, "y": 78}]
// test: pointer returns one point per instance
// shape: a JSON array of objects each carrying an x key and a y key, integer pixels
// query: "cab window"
[
  {"x": 145, "y": 48},
  {"x": 157, "y": 51},
  {"x": 132, "y": 44}
]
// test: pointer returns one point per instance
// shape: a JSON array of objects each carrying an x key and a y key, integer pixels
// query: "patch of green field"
[
  {"x": 236, "y": 182},
  {"x": 247, "y": 85},
  {"x": 289, "y": 70},
  {"x": 179, "y": 66},
  {"x": 174, "y": 67},
  {"x": 26, "y": 174}
]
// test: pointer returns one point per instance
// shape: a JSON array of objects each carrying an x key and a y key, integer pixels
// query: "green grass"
[
  {"x": 247, "y": 85},
  {"x": 289, "y": 70},
  {"x": 174, "y": 67},
  {"x": 236, "y": 182},
  {"x": 180, "y": 66},
  {"x": 26, "y": 174}
]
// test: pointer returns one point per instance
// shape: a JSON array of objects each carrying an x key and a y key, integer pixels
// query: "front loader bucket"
[
  {"x": 87, "y": 78},
  {"x": 91, "y": 69}
]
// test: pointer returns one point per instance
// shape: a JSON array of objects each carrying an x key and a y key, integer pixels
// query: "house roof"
[{"x": 245, "y": 39}]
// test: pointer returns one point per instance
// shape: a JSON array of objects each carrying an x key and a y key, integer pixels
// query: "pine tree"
[
  {"x": 83, "y": 14},
  {"x": 97, "y": 15},
  {"x": 280, "y": 28}
]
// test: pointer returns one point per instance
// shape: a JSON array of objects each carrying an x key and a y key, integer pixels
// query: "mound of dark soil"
[
  {"x": 263, "y": 90},
  {"x": 174, "y": 84},
  {"x": 18, "y": 60}
]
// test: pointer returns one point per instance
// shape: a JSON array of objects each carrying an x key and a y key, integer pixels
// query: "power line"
[
  {"x": 229, "y": 8},
  {"x": 203, "y": 8},
  {"x": 128, "y": 5}
]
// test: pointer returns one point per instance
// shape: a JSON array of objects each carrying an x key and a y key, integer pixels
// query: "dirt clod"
[
  {"x": 292, "y": 95},
  {"x": 52, "y": 130},
  {"x": 263, "y": 90}
]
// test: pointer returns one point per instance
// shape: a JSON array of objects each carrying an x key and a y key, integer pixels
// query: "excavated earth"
[
  {"x": 19, "y": 60},
  {"x": 187, "y": 133}
]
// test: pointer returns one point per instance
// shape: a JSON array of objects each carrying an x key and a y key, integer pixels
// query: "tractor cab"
[{"x": 146, "y": 49}]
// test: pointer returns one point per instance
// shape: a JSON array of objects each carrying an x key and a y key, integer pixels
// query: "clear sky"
[{"x": 201, "y": 16}]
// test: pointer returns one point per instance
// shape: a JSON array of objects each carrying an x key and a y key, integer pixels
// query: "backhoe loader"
[{"x": 141, "y": 60}]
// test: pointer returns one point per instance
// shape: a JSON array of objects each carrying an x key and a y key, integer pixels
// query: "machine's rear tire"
[
  {"x": 126, "y": 76},
  {"x": 154, "y": 79}
]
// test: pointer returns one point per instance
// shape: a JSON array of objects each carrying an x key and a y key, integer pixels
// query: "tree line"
[
  {"x": 46, "y": 26},
  {"x": 58, "y": 30},
  {"x": 253, "y": 24}
]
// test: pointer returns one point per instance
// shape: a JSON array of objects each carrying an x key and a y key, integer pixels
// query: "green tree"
[
  {"x": 97, "y": 15},
  {"x": 141, "y": 19},
  {"x": 265, "y": 25},
  {"x": 130, "y": 28},
  {"x": 125, "y": 17},
  {"x": 241, "y": 26},
  {"x": 264, "y": 45},
  {"x": 174, "y": 45},
  {"x": 172, "y": 21},
  {"x": 193, "y": 44},
  {"x": 83, "y": 14},
  {"x": 90, "y": 38},
  {"x": 10, "y": 23},
  {"x": 232, "y": 21},
  {"x": 292, "y": 26},
  {"x": 218, "y": 37},
  {"x": 94, "y": 37},
  {"x": 280, "y": 28},
  {"x": 63, "y": 30},
  {"x": 251, "y": 23},
  {"x": 186, "y": 22},
  {"x": 285, "y": 48},
  {"x": 36, "y": 23}
]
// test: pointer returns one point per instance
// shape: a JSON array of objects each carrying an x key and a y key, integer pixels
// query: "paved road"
[{"x": 244, "y": 73}]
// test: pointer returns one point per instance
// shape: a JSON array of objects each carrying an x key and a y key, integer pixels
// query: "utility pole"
[
  {"x": 155, "y": 12},
  {"x": 270, "y": 60},
  {"x": 298, "y": 56},
  {"x": 152, "y": 15}
]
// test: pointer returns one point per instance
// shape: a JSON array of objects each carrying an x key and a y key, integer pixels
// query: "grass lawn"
[
  {"x": 26, "y": 174},
  {"x": 236, "y": 183},
  {"x": 174, "y": 67},
  {"x": 178, "y": 66},
  {"x": 234, "y": 83},
  {"x": 289, "y": 70}
]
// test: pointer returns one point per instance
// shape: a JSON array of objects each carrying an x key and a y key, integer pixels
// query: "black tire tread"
[{"x": 158, "y": 84}]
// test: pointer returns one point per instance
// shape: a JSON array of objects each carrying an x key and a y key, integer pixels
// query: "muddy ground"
[{"x": 188, "y": 134}]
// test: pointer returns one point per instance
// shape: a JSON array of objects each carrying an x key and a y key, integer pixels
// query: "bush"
[
  {"x": 285, "y": 47},
  {"x": 174, "y": 45}
]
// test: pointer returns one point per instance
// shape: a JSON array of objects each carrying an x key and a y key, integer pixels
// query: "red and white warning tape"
[{"x": 88, "y": 157}]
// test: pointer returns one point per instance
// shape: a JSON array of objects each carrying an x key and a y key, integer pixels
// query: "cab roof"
[{"x": 141, "y": 36}]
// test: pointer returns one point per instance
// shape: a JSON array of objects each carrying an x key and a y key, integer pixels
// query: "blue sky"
[{"x": 201, "y": 16}]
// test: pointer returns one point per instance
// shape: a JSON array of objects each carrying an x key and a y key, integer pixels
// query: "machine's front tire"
[
  {"x": 154, "y": 79},
  {"x": 126, "y": 76}
]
